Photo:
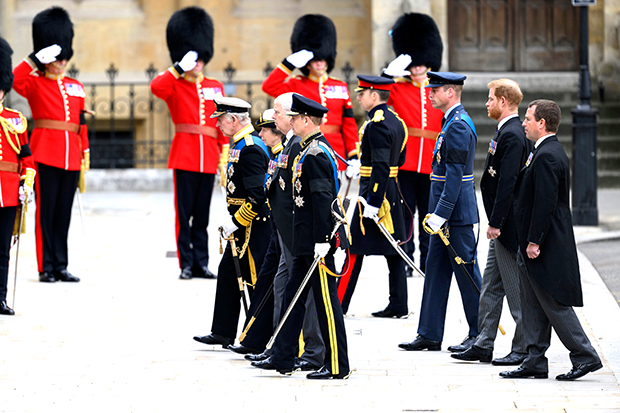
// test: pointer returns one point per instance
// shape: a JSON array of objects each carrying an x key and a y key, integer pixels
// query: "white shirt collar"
[
  {"x": 506, "y": 119},
  {"x": 540, "y": 140},
  {"x": 450, "y": 110}
]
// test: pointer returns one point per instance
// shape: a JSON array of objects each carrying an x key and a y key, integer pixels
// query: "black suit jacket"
[
  {"x": 507, "y": 154},
  {"x": 543, "y": 217}
]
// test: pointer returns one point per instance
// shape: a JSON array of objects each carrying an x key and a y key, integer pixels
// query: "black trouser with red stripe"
[
  {"x": 54, "y": 191},
  {"x": 7, "y": 220},
  {"x": 397, "y": 281},
  {"x": 192, "y": 202}
]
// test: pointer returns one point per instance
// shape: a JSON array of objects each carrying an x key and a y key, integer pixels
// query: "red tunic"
[
  {"x": 339, "y": 125},
  {"x": 190, "y": 102},
  {"x": 9, "y": 181},
  {"x": 411, "y": 103},
  {"x": 57, "y": 98}
]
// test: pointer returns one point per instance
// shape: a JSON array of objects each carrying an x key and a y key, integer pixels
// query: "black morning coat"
[
  {"x": 543, "y": 217},
  {"x": 279, "y": 188},
  {"x": 507, "y": 154}
]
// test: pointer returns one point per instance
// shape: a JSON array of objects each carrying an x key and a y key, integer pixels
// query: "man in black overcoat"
[{"x": 549, "y": 269}]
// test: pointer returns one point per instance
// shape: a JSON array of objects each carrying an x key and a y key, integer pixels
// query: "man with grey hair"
[{"x": 245, "y": 173}]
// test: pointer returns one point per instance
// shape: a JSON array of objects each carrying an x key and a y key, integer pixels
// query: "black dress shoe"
[
  {"x": 421, "y": 343},
  {"x": 512, "y": 359},
  {"x": 257, "y": 357},
  {"x": 203, "y": 272},
  {"x": 64, "y": 275},
  {"x": 5, "y": 309},
  {"x": 465, "y": 345},
  {"x": 46, "y": 277},
  {"x": 186, "y": 273},
  {"x": 387, "y": 313},
  {"x": 267, "y": 364},
  {"x": 215, "y": 339},
  {"x": 241, "y": 349},
  {"x": 324, "y": 374},
  {"x": 580, "y": 371},
  {"x": 475, "y": 353},
  {"x": 305, "y": 365},
  {"x": 524, "y": 373}
]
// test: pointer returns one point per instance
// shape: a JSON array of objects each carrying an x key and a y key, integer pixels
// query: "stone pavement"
[{"x": 121, "y": 340}]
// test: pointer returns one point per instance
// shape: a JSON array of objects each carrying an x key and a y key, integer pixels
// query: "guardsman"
[
  {"x": 453, "y": 202},
  {"x": 59, "y": 141},
  {"x": 384, "y": 137},
  {"x": 197, "y": 144},
  {"x": 417, "y": 43},
  {"x": 314, "y": 188},
  {"x": 313, "y": 43},
  {"x": 248, "y": 160},
  {"x": 508, "y": 152},
  {"x": 16, "y": 171}
]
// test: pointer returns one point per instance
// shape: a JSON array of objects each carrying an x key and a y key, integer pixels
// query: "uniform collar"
[
  {"x": 450, "y": 110},
  {"x": 317, "y": 79},
  {"x": 306, "y": 141},
  {"x": 382, "y": 106},
  {"x": 190, "y": 77},
  {"x": 277, "y": 149},
  {"x": 1, "y": 106},
  {"x": 243, "y": 132},
  {"x": 54, "y": 77}
]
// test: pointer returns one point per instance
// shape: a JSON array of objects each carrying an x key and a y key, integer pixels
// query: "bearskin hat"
[
  {"x": 417, "y": 35},
  {"x": 188, "y": 29},
  {"x": 316, "y": 33},
  {"x": 53, "y": 26},
  {"x": 6, "y": 72}
]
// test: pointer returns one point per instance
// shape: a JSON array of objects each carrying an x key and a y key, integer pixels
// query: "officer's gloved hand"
[
  {"x": 300, "y": 58},
  {"x": 189, "y": 61},
  {"x": 435, "y": 222},
  {"x": 353, "y": 168},
  {"x": 370, "y": 211},
  {"x": 398, "y": 67},
  {"x": 26, "y": 187},
  {"x": 228, "y": 227},
  {"x": 321, "y": 249},
  {"x": 48, "y": 54}
]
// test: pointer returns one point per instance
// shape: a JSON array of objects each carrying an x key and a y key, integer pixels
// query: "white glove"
[
  {"x": 228, "y": 227},
  {"x": 353, "y": 170},
  {"x": 189, "y": 61},
  {"x": 398, "y": 66},
  {"x": 26, "y": 194},
  {"x": 300, "y": 58},
  {"x": 48, "y": 54},
  {"x": 321, "y": 250},
  {"x": 435, "y": 222},
  {"x": 370, "y": 211}
]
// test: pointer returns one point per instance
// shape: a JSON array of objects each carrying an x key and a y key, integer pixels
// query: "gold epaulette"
[
  {"x": 378, "y": 116},
  {"x": 335, "y": 78},
  {"x": 248, "y": 140}
]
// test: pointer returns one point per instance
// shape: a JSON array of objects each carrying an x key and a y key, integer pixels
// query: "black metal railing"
[{"x": 130, "y": 128}]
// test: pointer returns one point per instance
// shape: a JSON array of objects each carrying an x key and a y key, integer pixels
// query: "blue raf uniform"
[{"x": 453, "y": 198}]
